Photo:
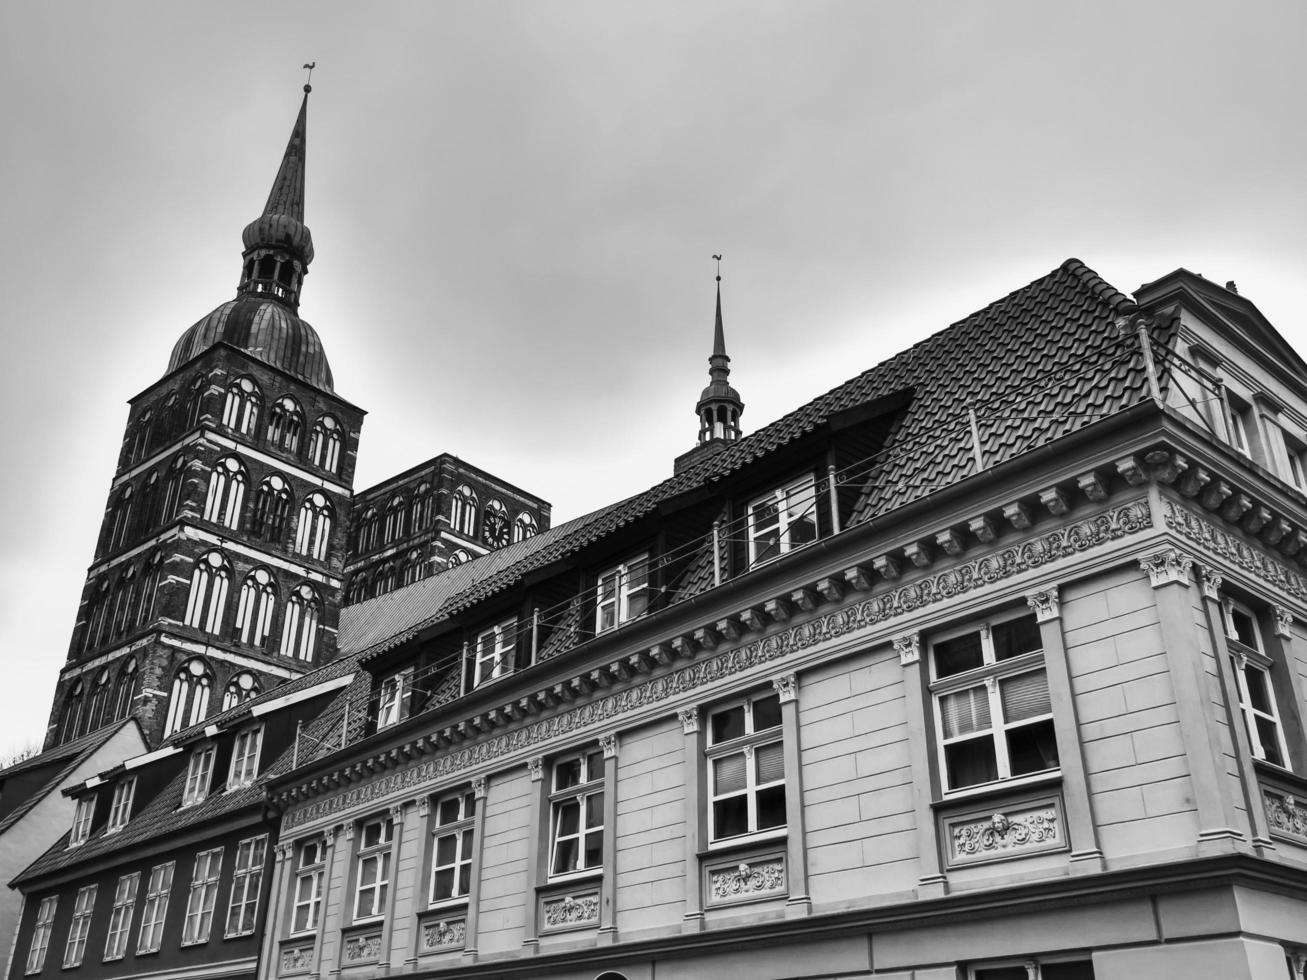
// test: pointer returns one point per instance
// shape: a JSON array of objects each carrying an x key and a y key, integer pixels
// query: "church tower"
[
  {"x": 218, "y": 572},
  {"x": 720, "y": 407}
]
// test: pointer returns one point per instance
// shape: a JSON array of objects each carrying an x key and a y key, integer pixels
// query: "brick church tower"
[{"x": 219, "y": 568}]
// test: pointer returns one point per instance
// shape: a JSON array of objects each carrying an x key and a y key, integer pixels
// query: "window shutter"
[
  {"x": 729, "y": 773},
  {"x": 1025, "y": 696},
  {"x": 965, "y": 712},
  {"x": 771, "y": 762}
]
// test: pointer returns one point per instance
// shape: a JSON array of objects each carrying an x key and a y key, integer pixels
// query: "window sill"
[
  {"x": 570, "y": 877},
  {"x": 999, "y": 789},
  {"x": 447, "y": 904},
  {"x": 718, "y": 848}
]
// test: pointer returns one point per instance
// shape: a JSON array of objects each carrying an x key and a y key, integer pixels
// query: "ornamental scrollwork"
[
  {"x": 1002, "y": 833},
  {"x": 444, "y": 934},
  {"x": 296, "y": 959},
  {"x": 572, "y": 910},
  {"x": 1285, "y": 814},
  {"x": 1166, "y": 567},
  {"x": 1218, "y": 542},
  {"x": 745, "y": 880},
  {"x": 363, "y": 947}
]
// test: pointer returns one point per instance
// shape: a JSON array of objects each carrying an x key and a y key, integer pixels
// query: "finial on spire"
[
  {"x": 719, "y": 267},
  {"x": 310, "y": 66}
]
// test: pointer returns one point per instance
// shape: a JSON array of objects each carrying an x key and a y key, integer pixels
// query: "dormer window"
[
  {"x": 782, "y": 520},
  {"x": 82, "y": 820},
  {"x": 199, "y": 775},
  {"x": 393, "y": 701},
  {"x": 120, "y": 809},
  {"x": 245, "y": 758},
  {"x": 494, "y": 652},
  {"x": 622, "y": 593}
]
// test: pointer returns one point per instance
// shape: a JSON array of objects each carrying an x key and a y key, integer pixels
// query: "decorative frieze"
[
  {"x": 1286, "y": 815},
  {"x": 443, "y": 934},
  {"x": 1216, "y": 541},
  {"x": 295, "y": 959},
  {"x": 362, "y": 948},
  {"x": 747, "y": 880},
  {"x": 571, "y": 910},
  {"x": 1018, "y": 831},
  {"x": 944, "y": 586}
]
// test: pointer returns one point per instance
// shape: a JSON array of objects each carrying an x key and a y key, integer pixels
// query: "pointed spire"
[
  {"x": 719, "y": 335},
  {"x": 719, "y": 407},
  {"x": 287, "y": 196}
]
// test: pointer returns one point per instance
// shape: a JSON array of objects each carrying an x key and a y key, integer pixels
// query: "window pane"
[
  {"x": 726, "y": 725},
  {"x": 1259, "y": 693},
  {"x": 565, "y": 856},
  {"x": 594, "y": 810},
  {"x": 594, "y": 849},
  {"x": 1032, "y": 748},
  {"x": 567, "y": 773},
  {"x": 1080, "y": 970},
  {"x": 958, "y": 654},
  {"x": 568, "y": 815},
  {"x": 446, "y": 848},
  {"x": 964, "y": 712},
  {"x": 1245, "y": 631},
  {"x": 448, "y": 810},
  {"x": 730, "y": 817},
  {"x": 1002, "y": 973},
  {"x": 771, "y": 808},
  {"x": 970, "y": 762},
  {"x": 729, "y": 774},
  {"x": 766, "y": 713},
  {"x": 770, "y": 760},
  {"x": 1266, "y": 731},
  {"x": 1016, "y": 637},
  {"x": 464, "y": 879},
  {"x": 444, "y": 883},
  {"x": 1025, "y": 696}
]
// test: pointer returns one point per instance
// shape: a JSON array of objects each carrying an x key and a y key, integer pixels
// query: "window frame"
[
  {"x": 119, "y": 928},
  {"x": 461, "y": 828},
  {"x": 199, "y": 775},
  {"x": 246, "y": 882},
  {"x": 120, "y": 806},
  {"x": 83, "y": 815},
  {"x": 591, "y": 785},
  {"x": 376, "y": 855},
  {"x": 394, "y": 697},
  {"x": 1253, "y": 657},
  {"x": 501, "y": 651},
  {"x": 746, "y": 744},
  {"x": 79, "y": 927},
  {"x": 244, "y": 769},
  {"x": 622, "y": 592},
  {"x": 310, "y": 873},
  {"x": 797, "y": 495},
  {"x": 41, "y": 930},
  {"x": 202, "y": 899},
  {"x": 155, "y": 910}
]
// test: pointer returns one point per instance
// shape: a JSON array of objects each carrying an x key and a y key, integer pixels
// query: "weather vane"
[
  {"x": 719, "y": 267},
  {"x": 310, "y": 66}
]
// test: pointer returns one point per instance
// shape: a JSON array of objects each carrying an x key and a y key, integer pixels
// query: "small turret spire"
[{"x": 719, "y": 407}]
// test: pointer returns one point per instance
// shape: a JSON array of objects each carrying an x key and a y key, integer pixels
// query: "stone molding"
[
  {"x": 944, "y": 586},
  {"x": 443, "y": 934},
  {"x": 908, "y": 647},
  {"x": 787, "y": 687},
  {"x": 1019, "y": 830},
  {"x": 747, "y": 880},
  {"x": 1167, "y": 567},
  {"x": 1218, "y": 542},
  {"x": 567, "y": 911},
  {"x": 1046, "y": 603}
]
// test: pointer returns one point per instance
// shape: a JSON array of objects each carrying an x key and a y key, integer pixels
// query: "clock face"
[{"x": 495, "y": 528}]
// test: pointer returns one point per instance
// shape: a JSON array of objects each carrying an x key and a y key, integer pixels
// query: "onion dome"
[{"x": 720, "y": 405}]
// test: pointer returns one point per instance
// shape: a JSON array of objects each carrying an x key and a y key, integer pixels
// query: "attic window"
[
  {"x": 120, "y": 810},
  {"x": 82, "y": 820},
  {"x": 782, "y": 520}
]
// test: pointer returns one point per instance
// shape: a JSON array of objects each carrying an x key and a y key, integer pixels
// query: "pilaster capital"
[
  {"x": 689, "y": 720},
  {"x": 908, "y": 648},
  {"x": 1283, "y": 621},
  {"x": 536, "y": 767},
  {"x": 787, "y": 686},
  {"x": 479, "y": 787},
  {"x": 424, "y": 806},
  {"x": 1209, "y": 580},
  {"x": 1046, "y": 603},
  {"x": 397, "y": 812},
  {"x": 609, "y": 744},
  {"x": 1167, "y": 567}
]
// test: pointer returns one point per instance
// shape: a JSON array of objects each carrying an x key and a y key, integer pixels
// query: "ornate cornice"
[
  {"x": 1216, "y": 541},
  {"x": 944, "y": 586}
]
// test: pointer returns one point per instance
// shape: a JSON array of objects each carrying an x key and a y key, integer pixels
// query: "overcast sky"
[{"x": 514, "y": 207}]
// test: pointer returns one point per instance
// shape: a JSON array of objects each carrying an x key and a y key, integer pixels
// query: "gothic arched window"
[
  {"x": 313, "y": 533},
  {"x": 123, "y": 596},
  {"x": 358, "y": 587},
  {"x": 494, "y": 525},
  {"x": 97, "y": 609},
  {"x": 285, "y": 424},
  {"x": 240, "y": 689},
  {"x": 226, "y": 493},
  {"x": 149, "y": 508},
  {"x": 189, "y": 701},
  {"x": 208, "y": 596},
  {"x": 172, "y": 491},
  {"x": 98, "y": 715},
  {"x": 149, "y": 585},
  {"x": 74, "y": 706},
  {"x": 271, "y": 508},
  {"x": 420, "y": 513},
  {"x": 463, "y": 511},
  {"x": 119, "y": 520},
  {"x": 394, "y": 526},
  {"x": 195, "y": 402},
  {"x": 124, "y": 689},
  {"x": 169, "y": 417},
  {"x": 324, "y": 444},
  {"x": 241, "y": 409},
  {"x": 256, "y": 606},
  {"x": 411, "y": 567},
  {"x": 458, "y": 557},
  {"x": 299, "y": 632},
  {"x": 140, "y": 437},
  {"x": 386, "y": 578},
  {"x": 524, "y": 526},
  {"x": 369, "y": 524}
]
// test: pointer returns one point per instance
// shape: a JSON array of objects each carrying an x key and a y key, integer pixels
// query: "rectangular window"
[
  {"x": 746, "y": 769},
  {"x": 155, "y": 908},
  {"x": 120, "y": 809},
  {"x": 120, "y": 919},
  {"x": 992, "y": 707},
  {"x": 576, "y": 814},
  {"x": 199, "y": 775},
  {"x": 310, "y": 862},
  {"x": 393, "y": 701},
  {"x": 82, "y": 820},
  {"x": 373, "y": 869},
  {"x": 494, "y": 652},
  {"x": 203, "y": 897},
  {"x": 1241, "y": 419},
  {"x": 1066, "y": 970},
  {"x": 246, "y": 880},
  {"x": 622, "y": 594},
  {"x": 1252, "y": 678},
  {"x": 80, "y": 926},
  {"x": 245, "y": 758},
  {"x": 782, "y": 520},
  {"x": 41, "y": 933},
  {"x": 451, "y": 861}
]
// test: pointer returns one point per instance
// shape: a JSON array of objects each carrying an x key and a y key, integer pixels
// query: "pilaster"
[{"x": 931, "y": 883}]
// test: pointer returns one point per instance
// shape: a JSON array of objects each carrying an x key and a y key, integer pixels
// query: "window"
[
  {"x": 155, "y": 908},
  {"x": 524, "y": 526},
  {"x": 393, "y": 529},
  {"x": 245, "y": 757},
  {"x": 1242, "y": 420},
  {"x": 149, "y": 588},
  {"x": 494, "y": 524},
  {"x": 203, "y": 897},
  {"x": 310, "y": 863},
  {"x": 195, "y": 402},
  {"x": 41, "y": 933},
  {"x": 992, "y": 709},
  {"x": 241, "y": 409},
  {"x": 123, "y": 600},
  {"x": 120, "y": 808},
  {"x": 98, "y": 714},
  {"x": 313, "y": 533},
  {"x": 125, "y": 689},
  {"x": 120, "y": 519},
  {"x": 746, "y": 769},
  {"x": 271, "y": 508},
  {"x": 189, "y": 701},
  {"x": 120, "y": 919},
  {"x": 1065, "y": 970},
  {"x": 494, "y": 652},
  {"x": 255, "y": 609},
  {"x": 83, "y": 906},
  {"x": 172, "y": 491},
  {"x": 97, "y": 611},
  {"x": 82, "y": 820},
  {"x": 782, "y": 520},
  {"x": 358, "y": 588},
  {"x": 458, "y": 557},
  {"x": 451, "y": 860},
  {"x": 246, "y": 880},
  {"x": 369, "y": 529},
  {"x": 1252, "y": 677},
  {"x": 463, "y": 511},
  {"x": 576, "y": 814},
  {"x": 226, "y": 493},
  {"x": 421, "y": 511},
  {"x": 299, "y": 631},
  {"x": 208, "y": 597},
  {"x": 410, "y": 569},
  {"x": 199, "y": 775},
  {"x": 386, "y": 578},
  {"x": 324, "y": 444},
  {"x": 141, "y": 437},
  {"x": 74, "y": 708},
  {"x": 149, "y": 501},
  {"x": 393, "y": 701},
  {"x": 240, "y": 689},
  {"x": 285, "y": 424},
  {"x": 373, "y": 869},
  {"x": 623, "y": 593}
]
